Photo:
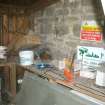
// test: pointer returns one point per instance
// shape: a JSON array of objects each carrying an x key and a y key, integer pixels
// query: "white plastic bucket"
[
  {"x": 100, "y": 78},
  {"x": 26, "y": 57}
]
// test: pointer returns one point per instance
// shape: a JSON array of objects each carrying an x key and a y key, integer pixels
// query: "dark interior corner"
[{"x": 98, "y": 9}]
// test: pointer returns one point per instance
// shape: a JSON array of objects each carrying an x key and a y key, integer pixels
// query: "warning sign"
[{"x": 91, "y": 31}]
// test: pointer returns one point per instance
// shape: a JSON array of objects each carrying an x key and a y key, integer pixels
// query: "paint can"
[
  {"x": 100, "y": 75},
  {"x": 26, "y": 57},
  {"x": 3, "y": 52},
  {"x": 100, "y": 78}
]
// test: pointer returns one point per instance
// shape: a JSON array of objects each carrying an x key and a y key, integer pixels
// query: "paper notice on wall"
[
  {"x": 90, "y": 56},
  {"x": 91, "y": 31}
]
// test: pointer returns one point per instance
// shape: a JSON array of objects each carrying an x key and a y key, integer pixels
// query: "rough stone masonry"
[{"x": 59, "y": 24}]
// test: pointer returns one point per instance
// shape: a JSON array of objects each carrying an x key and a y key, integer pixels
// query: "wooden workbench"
[
  {"x": 57, "y": 77},
  {"x": 82, "y": 85}
]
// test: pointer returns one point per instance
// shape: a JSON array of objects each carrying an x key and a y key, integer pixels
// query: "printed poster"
[
  {"x": 91, "y": 31},
  {"x": 90, "y": 56}
]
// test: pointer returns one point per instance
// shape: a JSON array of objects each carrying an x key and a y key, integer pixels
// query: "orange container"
[{"x": 68, "y": 74}]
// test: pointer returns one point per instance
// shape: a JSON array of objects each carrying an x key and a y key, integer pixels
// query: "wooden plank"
[
  {"x": 14, "y": 23},
  {"x": 1, "y": 30},
  {"x": 5, "y": 23},
  {"x": 25, "y": 25},
  {"x": 6, "y": 72},
  {"x": 22, "y": 24},
  {"x": 13, "y": 78},
  {"x": 89, "y": 85},
  {"x": 81, "y": 90},
  {"x": 90, "y": 90},
  {"x": 5, "y": 29}
]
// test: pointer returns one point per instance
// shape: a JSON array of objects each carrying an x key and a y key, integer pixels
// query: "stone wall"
[{"x": 59, "y": 24}]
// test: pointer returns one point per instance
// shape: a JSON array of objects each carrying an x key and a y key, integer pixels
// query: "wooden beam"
[{"x": 38, "y": 5}]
